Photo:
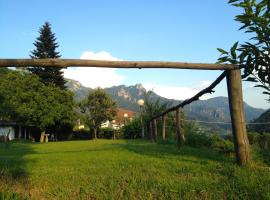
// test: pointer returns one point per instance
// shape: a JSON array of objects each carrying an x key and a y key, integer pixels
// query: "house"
[
  {"x": 13, "y": 130},
  {"x": 122, "y": 117}
]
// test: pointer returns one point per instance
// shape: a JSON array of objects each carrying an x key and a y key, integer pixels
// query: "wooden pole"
[
  {"x": 151, "y": 130},
  {"x": 20, "y": 132},
  {"x": 163, "y": 127},
  {"x": 196, "y": 97},
  {"x": 155, "y": 129},
  {"x": 234, "y": 86},
  {"x": 180, "y": 139},
  {"x": 62, "y": 63}
]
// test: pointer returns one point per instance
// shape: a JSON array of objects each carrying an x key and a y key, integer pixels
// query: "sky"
[{"x": 160, "y": 30}]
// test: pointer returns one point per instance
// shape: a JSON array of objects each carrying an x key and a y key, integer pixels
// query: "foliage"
[
  {"x": 97, "y": 108},
  {"x": 109, "y": 133},
  {"x": 46, "y": 46},
  {"x": 27, "y": 100},
  {"x": 133, "y": 129},
  {"x": 152, "y": 107},
  {"x": 127, "y": 169},
  {"x": 198, "y": 138},
  {"x": 261, "y": 140},
  {"x": 252, "y": 56},
  {"x": 260, "y": 127},
  {"x": 82, "y": 134},
  {"x": 3, "y": 71}
]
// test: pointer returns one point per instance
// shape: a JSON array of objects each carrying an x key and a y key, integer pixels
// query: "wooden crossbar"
[{"x": 63, "y": 63}]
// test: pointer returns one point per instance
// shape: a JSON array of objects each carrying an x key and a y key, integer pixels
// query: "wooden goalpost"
[{"x": 231, "y": 72}]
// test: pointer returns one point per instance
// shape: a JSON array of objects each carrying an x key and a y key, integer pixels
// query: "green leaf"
[
  {"x": 232, "y": 1},
  {"x": 251, "y": 79},
  {"x": 235, "y": 46},
  {"x": 266, "y": 93},
  {"x": 262, "y": 86},
  {"x": 222, "y": 51}
]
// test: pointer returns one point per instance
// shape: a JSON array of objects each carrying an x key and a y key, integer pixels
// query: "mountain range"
[{"x": 211, "y": 110}]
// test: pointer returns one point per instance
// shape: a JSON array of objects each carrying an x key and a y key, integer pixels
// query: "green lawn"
[{"x": 107, "y": 169}]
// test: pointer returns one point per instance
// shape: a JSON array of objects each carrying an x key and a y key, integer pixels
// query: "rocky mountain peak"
[{"x": 122, "y": 92}]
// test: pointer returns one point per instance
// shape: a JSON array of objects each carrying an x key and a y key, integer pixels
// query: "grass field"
[{"x": 107, "y": 169}]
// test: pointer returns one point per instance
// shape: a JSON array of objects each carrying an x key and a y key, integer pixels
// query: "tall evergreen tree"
[{"x": 46, "y": 46}]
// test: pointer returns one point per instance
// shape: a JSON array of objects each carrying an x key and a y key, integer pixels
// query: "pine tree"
[{"x": 46, "y": 46}]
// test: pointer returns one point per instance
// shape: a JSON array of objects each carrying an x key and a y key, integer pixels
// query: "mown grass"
[{"x": 132, "y": 169}]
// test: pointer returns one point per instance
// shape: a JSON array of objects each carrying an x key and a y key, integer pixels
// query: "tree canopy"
[
  {"x": 254, "y": 55},
  {"x": 25, "y": 99},
  {"x": 98, "y": 107}
]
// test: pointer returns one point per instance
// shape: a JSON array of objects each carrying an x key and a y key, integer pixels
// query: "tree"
[
  {"x": 151, "y": 108},
  {"x": 25, "y": 99},
  {"x": 252, "y": 56},
  {"x": 98, "y": 107},
  {"x": 46, "y": 46}
]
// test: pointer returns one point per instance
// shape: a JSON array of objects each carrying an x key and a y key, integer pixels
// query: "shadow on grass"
[
  {"x": 170, "y": 150},
  {"x": 12, "y": 163}
]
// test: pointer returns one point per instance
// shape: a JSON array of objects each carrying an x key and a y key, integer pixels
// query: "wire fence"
[{"x": 217, "y": 122}]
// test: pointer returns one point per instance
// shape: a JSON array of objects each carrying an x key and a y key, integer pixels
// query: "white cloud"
[
  {"x": 95, "y": 77},
  {"x": 179, "y": 93}
]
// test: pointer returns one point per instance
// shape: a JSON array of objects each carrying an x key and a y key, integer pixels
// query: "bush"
[
  {"x": 214, "y": 141},
  {"x": 222, "y": 145},
  {"x": 261, "y": 140},
  {"x": 132, "y": 130},
  {"x": 264, "y": 141},
  {"x": 109, "y": 133},
  {"x": 198, "y": 139},
  {"x": 82, "y": 134},
  {"x": 253, "y": 138}
]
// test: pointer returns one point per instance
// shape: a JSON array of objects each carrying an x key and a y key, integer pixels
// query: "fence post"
[
  {"x": 163, "y": 127},
  {"x": 180, "y": 139},
  {"x": 20, "y": 132},
  {"x": 151, "y": 130},
  {"x": 155, "y": 129},
  {"x": 234, "y": 86}
]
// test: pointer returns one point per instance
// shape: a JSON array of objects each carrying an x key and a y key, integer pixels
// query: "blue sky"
[{"x": 171, "y": 30}]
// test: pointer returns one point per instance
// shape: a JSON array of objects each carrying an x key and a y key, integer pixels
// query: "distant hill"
[
  {"x": 211, "y": 110},
  {"x": 265, "y": 117}
]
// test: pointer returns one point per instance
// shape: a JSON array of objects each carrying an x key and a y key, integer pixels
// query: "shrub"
[
  {"x": 198, "y": 139},
  {"x": 261, "y": 140},
  {"x": 109, "y": 133},
  {"x": 82, "y": 134},
  {"x": 253, "y": 137},
  {"x": 214, "y": 141},
  {"x": 132, "y": 130}
]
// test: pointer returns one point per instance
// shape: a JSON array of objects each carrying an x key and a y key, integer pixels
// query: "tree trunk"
[
  {"x": 241, "y": 143},
  {"x": 180, "y": 138},
  {"x": 155, "y": 129},
  {"x": 95, "y": 134},
  {"x": 163, "y": 127}
]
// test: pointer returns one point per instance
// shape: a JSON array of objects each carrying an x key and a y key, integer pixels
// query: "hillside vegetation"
[
  {"x": 265, "y": 117},
  {"x": 126, "y": 169}
]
